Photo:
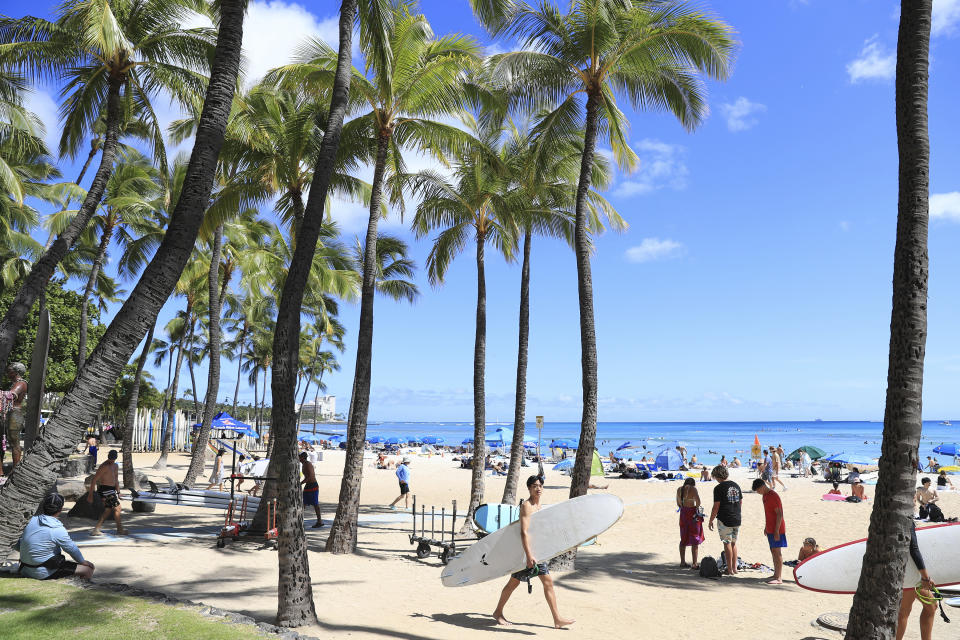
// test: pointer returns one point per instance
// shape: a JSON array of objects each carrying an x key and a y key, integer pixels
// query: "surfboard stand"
[{"x": 447, "y": 545}]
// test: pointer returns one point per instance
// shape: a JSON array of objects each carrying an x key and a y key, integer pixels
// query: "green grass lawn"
[{"x": 34, "y": 610}]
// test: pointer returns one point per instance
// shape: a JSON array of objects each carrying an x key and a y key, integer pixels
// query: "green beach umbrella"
[{"x": 815, "y": 453}]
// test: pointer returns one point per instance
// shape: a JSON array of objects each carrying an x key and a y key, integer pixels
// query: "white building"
[{"x": 326, "y": 408}]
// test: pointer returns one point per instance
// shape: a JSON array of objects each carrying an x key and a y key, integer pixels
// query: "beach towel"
[{"x": 691, "y": 527}]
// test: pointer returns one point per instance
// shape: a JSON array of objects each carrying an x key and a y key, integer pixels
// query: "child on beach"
[
  {"x": 836, "y": 490},
  {"x": 775, "y": 528},
  {"x": 541, "y": 570},
  {"x": 691, "y": 526}
]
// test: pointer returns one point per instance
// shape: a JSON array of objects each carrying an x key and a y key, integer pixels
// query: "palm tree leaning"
[
  {"x": 877, "y": 600},
  {"x": 413, "y": 77},
  {"x": 654, "y": 54},
  {"x": 26, "y": 486},
  {"x": 477, "y": 201},
  {"x": 108, "y": 56}
]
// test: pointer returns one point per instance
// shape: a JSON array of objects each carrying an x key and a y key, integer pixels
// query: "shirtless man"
[
  {"x": 106, "y": 482},
  {"x": 925, "y": 496},
  {"x": 91, "y": 453},
  {"x": 856, "y": 489},
  {"x": 541, "y": 570},
  {"x": 311, "y": 490},
  {"x": 11, "y": 409}
]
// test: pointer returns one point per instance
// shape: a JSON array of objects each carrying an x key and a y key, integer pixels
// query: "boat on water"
[{"x": 946, "y": 423}]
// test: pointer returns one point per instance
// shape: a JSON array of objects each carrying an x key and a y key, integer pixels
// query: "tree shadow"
[{"x": 18, "y": 600}]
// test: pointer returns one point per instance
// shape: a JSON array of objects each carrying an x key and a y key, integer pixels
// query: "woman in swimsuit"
[{"x": 691, "y": 525}]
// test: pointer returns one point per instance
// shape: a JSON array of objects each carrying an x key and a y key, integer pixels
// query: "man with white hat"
[{"x": 403, "y": 475}]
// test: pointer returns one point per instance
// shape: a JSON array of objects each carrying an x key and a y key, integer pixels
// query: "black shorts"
[
  {"x": 404, "y": 488},
  {"x": 539, "y": 570},
  {"x": 109, "y": 496},
  {"x": 67, "y": 569}
]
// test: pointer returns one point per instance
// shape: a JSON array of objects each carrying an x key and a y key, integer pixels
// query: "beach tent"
[
  {"x": 668, "y": 459},
  {"x": 815, "y": 453},
  {"x": 596, "y": 467}
]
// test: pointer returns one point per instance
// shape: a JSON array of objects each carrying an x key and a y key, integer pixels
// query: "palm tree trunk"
[
  {"x": 126, "y": 448},
  {"x": 876, "y": 603},
  {"x": 36, "y": 280},
  {"x": 303, "y": 398},
  {"x": 295, "y": 592},
  {"x": 193, "y": 377},
  {"x": 167, "y": 436},
  {"x": 38, "y": 470},
  {"x": 88, "y": 290},
  {"x": 343, "y": 533},
  {"x": 588, "y": 335},
  {"x": 516, "y": 449},
  {"x": 479, "y": 408},
  {"x": 256, "y": 397},
  {"x": 236, "y": 389},
  {"x": 198, "y": 454}
]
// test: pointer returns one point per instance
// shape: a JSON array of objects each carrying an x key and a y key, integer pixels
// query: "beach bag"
[
  {"x": 853, "y": 499},
  {"x": 935, "y": 514},
  {"x": 709, "y": 568}
]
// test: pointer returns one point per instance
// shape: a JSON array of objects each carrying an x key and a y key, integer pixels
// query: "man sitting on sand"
[
  {"x": 311, "y": 490},
  {"x": 775, "y": 528},
  {"x": 925, "y": 496},
  {"x": 43, "y": 540},
  {"x": 541, "y": 570},
  {"x": 736, "y": 464},
  {"x": 106, "y": 481}
]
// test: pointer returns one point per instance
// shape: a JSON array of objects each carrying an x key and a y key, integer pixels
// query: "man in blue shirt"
[
  {"x": 403, "y": 475},
  {"x": 41, "y": 544}
]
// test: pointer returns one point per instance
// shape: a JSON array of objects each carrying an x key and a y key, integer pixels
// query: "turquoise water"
[{"x": 856, "y": 439}]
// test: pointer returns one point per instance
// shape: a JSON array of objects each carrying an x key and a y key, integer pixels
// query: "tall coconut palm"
[
  {"x": 654, "y": 53},
  {"x": 475, "y": 201},
  {"x": 26, "y": 486},
  {"x": 413, "y": 79},
  {"x": 877, "y": 600},
  {"x": 109, "y": 57},
  {"x": 543, "y": 180}
]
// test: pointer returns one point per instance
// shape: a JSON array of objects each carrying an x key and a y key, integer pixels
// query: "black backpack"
[
  {"x": 709, "y": 568},
  {"x": 854, "y": 499}
]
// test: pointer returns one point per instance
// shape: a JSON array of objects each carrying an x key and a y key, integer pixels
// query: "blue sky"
[{"x": 754, "y": 280}]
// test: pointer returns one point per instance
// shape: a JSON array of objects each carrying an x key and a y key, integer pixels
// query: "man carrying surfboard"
[{"x": 541, "y": 570}]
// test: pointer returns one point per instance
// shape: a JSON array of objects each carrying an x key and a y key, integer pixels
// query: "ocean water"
[{"x": 859, "y": 440}]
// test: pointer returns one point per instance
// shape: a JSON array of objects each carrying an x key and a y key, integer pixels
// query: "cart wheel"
[
  {"x": 221, "y": 543},
  {"x": 445, "y": 556},
  {"x": 423, "y": 550}
]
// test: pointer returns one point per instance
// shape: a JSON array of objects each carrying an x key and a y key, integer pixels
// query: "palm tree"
[
  {"x": 477, "y": 201},
  {"x": 654, "y": 54},
  {"x": 126, "y": 446},
  {"x": 544, "y": 180},
  {"x": 877, "y": 600},
  {"x": 26, "y": 486},
  {"x": 414, "y": 77},
  {"x": 113, "y": 57}
]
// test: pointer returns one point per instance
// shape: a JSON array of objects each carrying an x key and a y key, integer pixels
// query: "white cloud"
[
  {"x": 874, "y": 63},
  {"x": 945, "y": 206},
  {"x": 740, "y": 113},
  {"x": 661, "y": 165},
  {"x": 275, "y": 28},
  {"x": 946, "y": 16},
  {"x": 44, "y": 107},
  {"x": 652, "y": 249},
  {"x": 844, "y": 225}
]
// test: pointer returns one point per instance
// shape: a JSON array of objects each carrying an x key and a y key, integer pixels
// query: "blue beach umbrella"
[
  {"x": 309, "y": 437},
  {"x": 633, "y": 444},
  {"x": 396, "y": 440},
  {"x": 467, "y": 441},
  {"x": 563, "y": 464},
  {"x": 947, "y": 449},
  {"x": 376, "y": 439},
  {"x": 432, "y": 440},
  {"x": 413, "y": 440},
  {"x": 337, "y": 439},
  {"x": 563, "y": 443}
]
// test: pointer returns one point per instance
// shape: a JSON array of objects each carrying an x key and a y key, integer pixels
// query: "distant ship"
[
  {"x": 818, "y": 420},
  {"x": 946, "y": 423}
]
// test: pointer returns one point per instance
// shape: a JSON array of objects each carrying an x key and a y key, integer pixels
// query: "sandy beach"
[{"x": 630, "y": 581}]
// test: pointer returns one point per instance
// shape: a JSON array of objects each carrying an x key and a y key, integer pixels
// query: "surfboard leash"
[{"x": 935, "y": 597}]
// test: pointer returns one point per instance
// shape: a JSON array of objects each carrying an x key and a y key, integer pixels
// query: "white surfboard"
[
  {"x": 553, "y": 530},
  {"x": 837, "y": 570}
]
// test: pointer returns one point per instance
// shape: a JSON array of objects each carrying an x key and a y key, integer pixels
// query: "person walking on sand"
[
  {"x": 11, "y": 409},
  {"x": 775, "y": 528},
  {"x": 928, "y": 613},
  {"x": 727, "y": 498},
  {"x": 777, "y": 465},
  {"x": 216, "y": 477},
  {"x": 311, "y": 490},
  {"x": 106, "y": 481},
  {"x": 534, "y": 569},
  {"x": 91, "y": 453},
  {"x": 691, "y": 522},
  {"x": 403, "y": 475},
  {"x": 42, "y": 543}
]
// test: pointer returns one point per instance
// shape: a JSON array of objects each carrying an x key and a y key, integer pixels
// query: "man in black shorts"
[
  {"x": 106, "y": 481},
  {"x": 42, "y": 544},
  {"x": 403, "y": 475}
]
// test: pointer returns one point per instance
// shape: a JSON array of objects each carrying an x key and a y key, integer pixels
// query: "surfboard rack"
[{"x": 446, "y": 543}]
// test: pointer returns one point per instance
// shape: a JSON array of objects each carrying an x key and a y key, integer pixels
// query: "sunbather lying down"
[{"x": 597, "y": 486}]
